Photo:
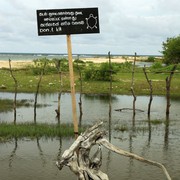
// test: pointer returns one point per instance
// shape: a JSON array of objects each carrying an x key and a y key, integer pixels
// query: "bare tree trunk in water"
[
  {"x": 15, "y": 93},
  {"x": 151, "y": 90},
  {"x": 132, "y": 87},
  {"x": 58, "y": 66},
  {"x": 37, "y": 91},
  {"x": 110, "y": 93},
  {"x": 168, "y": 89},
  {"x": 80, "y": 95}
]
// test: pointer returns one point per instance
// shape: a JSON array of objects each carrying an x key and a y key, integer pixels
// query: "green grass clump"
[
  {"x": 6, "y": 105},
  {"x": 121, "y": 128},
  {"x": 8, "y": 131},
  {"x": 156, "y": 122}
]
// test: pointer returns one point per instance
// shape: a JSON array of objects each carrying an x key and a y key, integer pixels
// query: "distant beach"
[
  {"x": 23, "y": 63},
  {"x": 19, "y": 60},
  {"x": 15, "y": 63}
]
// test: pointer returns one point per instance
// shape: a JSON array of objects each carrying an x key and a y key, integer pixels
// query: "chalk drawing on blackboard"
[{"x": 91, "y": 22}]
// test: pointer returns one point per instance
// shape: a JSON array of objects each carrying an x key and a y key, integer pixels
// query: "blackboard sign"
[{"x": 67, "y": 21}]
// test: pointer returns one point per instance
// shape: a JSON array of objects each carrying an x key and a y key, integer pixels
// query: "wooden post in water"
[
  {"x": 73, "y": 98},
  {"x": 132, "y": 88},
  {"x": 15, "y": 93},
  {"x": 110, "y": 93},
  {"x": 168, "y": 89}
]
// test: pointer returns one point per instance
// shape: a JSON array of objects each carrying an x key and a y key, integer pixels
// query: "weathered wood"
[
  {"x": 110, "y": 94},
  {"x": 151, "y": 90},
  {"x": 111, "y": 147},
  {"x": 168, "y": 87},
  {"x": 86, "y": 168},
  {"x": 72, "y": 86},
  {"x": 15, "y": 88},
  {"x": 125, "y": 109},
  {"x": 37, "y": 91},
  {"x": 58, "y": 113},
  {"x": 132, "y": 86},
  {"x": 80, "y": 93}
]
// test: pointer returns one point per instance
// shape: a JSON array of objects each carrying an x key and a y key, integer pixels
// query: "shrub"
[
  {"x": 61, "y": 63},
  {"x": 101, "y": 73},
  {"x": 51, "y": 65},
  {"x": 151, "y": 59},
  {"x": 157, "y": 65},
  {"x": 171, "y": 50}
]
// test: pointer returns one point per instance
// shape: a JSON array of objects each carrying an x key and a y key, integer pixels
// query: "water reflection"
[
  {"x": 166, "y": 135},
  {"x": 95, "y": 108},
  {"x": 40, "y": 152},
  {"x": 13, "y": 153},
  {"x": 38, "y": 156},
  {"x": 149, "y": 128},
  {"x": 60, "y": 149}
]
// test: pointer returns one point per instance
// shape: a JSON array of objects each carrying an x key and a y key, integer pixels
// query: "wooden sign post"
[
  {"x": 67, "y": 22},
  {"x": 71, "y": 73}
]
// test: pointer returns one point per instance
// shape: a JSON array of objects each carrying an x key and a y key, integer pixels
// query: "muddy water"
[{"x": 35, "y": 159}]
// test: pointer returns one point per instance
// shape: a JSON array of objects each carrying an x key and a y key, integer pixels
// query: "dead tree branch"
[
  {"x": 110, "y": 95},
  {"x": 168, "y": 89},
  {"x": 88, "y": 168},
  {"x": 129, "y": 109},
  {"x": 15, "y": 93},
  {"x": 80, "y": 94},
  {"x": 37, "y": 91},
  {"x": 151, "y": 90},
  {"x": 132, "y": 87},
  {"x": 58, "y": 66}
]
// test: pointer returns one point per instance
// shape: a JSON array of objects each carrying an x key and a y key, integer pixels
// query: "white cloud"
[{"x": 126, "y": 26}]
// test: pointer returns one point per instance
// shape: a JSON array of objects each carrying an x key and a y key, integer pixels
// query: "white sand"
[{"x": 23, "y": 63}]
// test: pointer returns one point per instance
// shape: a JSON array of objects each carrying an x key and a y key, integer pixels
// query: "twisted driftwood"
[{"x": 78, "y": 159}]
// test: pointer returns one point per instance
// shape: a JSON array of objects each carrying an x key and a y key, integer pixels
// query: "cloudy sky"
[{"x": 126, "y": 26}]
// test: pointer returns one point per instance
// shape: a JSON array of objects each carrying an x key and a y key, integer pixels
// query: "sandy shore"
[
  {"x": 23, "y": 63},
  {"x": 15, "y": 63},
  {"x": 101, "y": 59}
]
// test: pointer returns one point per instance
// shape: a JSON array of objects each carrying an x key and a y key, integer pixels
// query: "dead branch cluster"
[{"x": 87, "y": 167}]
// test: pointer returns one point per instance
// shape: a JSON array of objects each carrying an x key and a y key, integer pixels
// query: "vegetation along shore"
[{"x": 91, "y": 76}]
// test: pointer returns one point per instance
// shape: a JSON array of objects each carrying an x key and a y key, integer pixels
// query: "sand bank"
[
  {"x": 15, "y": 63},
  {"x": 104, "y": 59},
  {"x": 23, "y": 63}
]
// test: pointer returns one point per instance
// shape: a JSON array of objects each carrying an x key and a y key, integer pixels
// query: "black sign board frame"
[{"x": 68, "y": 21}]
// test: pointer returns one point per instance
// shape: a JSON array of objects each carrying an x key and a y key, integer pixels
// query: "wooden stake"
[
  {"x": 15, "y": 94},
  {"x": 73, "y": 98}
]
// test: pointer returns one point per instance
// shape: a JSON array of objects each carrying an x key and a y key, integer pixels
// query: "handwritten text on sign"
[{"x": 67, "y": 21}]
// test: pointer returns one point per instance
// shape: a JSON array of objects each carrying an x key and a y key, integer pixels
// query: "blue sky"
[{"x": 126, "y": 26}]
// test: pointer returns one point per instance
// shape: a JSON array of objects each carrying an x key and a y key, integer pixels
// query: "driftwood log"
[{"x": 78, "y": 159}]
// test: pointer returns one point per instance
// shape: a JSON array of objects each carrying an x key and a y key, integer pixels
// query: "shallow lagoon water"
[
  {"x": 35, "y": 158},
  {"x": 95, "y": 108}
]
